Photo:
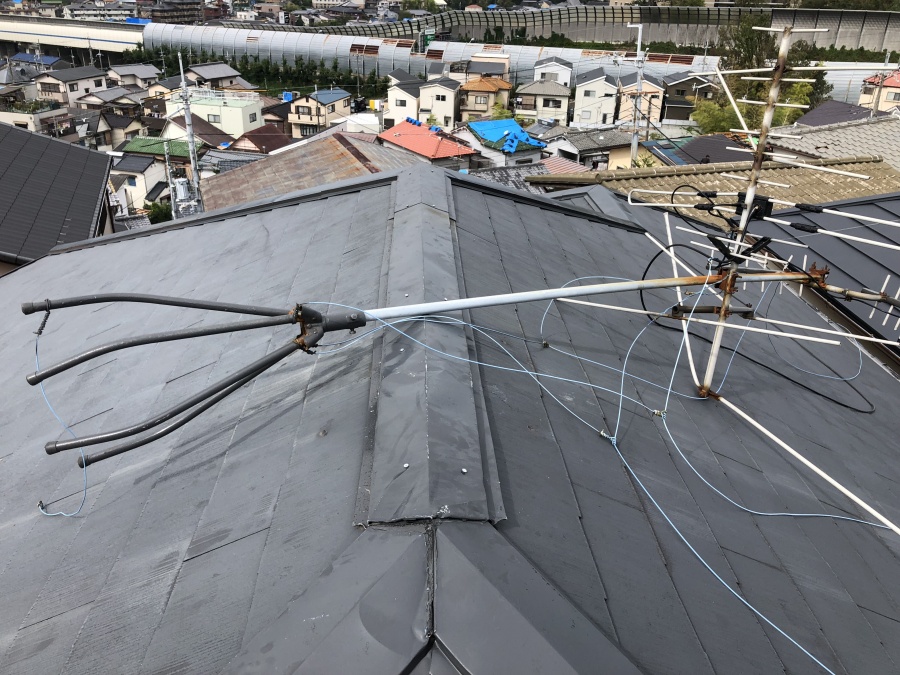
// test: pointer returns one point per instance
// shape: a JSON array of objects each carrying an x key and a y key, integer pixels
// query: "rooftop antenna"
[
  {"x": 881, "y": 78},
  {"x": 638, "y": 96}
]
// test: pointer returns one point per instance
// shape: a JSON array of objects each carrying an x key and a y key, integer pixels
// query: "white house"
[
  {"x": 402, "y": 102},
  {"x": 596, "y": 95},
  {"x": 438, "y": 102},
  {"x": 553, "y": 69},
  {"x": 543, "y": 99},
  {"x": 650, "y": 107},
  {"x": 235, "y": 113},
  {"x": 138, "y": 74},
  {"x": 65, "y": 86}
]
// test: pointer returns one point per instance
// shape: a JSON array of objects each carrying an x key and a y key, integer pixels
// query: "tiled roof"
[
  {"x": 107, "y": 95},
  {"x": 631, "y": 79},
  {"x": 544, "y": 88},
  {"x": 318, "y": 162},
  {"x": 119, "y": 121},
  {"x": 267, "y": 137},
  {"x": 213, "y": 70},
  {"x": 835, "y": 112},
  {"x": 808, "y": 187},
  {"x": 206, "y": 132},
  {"x": 879, "y": 136},
  {"x": 44, "y": 59},
  {"x": 886, "y": 79},
  {"x": 562, "y": 165},
  {"x": 514, "y": 176},
  {"x": 133, "y": 163},
  {"x": 141, "y": 70},
  {"x": 589, "y": 141},
  {"x": 174, "y": 82},
  {"x": 422, "y": 141},
  {"x": 489, "y": 84},
  {"x": 52, "y": 193}
]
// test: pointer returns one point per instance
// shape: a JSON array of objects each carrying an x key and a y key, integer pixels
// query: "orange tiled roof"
[
  {"x": 890, "y": 80},
  {"x": 491, "y": 84},
  {"x": 422, "y": 141}
]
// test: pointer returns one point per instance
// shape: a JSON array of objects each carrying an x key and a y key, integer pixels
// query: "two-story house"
[
  {"x": 502, "y": 142},
  {"x": 889, "y": 96},
  {"x": 553, "y": 69},
  {"x": 215, "y": 75},
  {"x": 438, "y": 103},
  {"x": 402, "y": 102},
  {"x": 65, "y": 86},
  {"x": 543, "y": 99},
  {"x": 651, "y": 99},
  {"x": 682, "y": 91},
  {"x": 121, "y": 100},
  {"x": 317, "y": 111},
  {"x": 140, "y": 75},
  {"x": 478, "y": 97},
  {"x": 596, "y": 97}
]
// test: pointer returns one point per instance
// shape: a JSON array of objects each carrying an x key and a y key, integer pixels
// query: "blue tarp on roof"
[
  {"x": 23, "y": 57},
  {"x": 327, "y": 96},
  {"x": 507, "y": 132}
]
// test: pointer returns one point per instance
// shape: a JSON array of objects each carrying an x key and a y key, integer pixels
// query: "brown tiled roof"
[
  {"x": 268, "y": 137},
  {"x": 562, "y": 165},
  {"x": 490, "y": 84},
  {"x": 326, "y": 160},
  {"x": 807, "y": 186},
  {"x": 422, "y": 141},
  {"x": 206, "y": 132}
]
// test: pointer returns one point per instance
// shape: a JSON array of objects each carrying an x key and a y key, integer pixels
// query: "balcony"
[{"x": 28, "y": 107}]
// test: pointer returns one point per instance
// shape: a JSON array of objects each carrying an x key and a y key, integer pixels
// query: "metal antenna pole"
[
  {"x": 882, "y": 76},
  {"x": 636, "y": 101},
  {"x": 169, "y": 181},
  {"x": 189, "y": 127},
  {"x": 729, "y": 283}
]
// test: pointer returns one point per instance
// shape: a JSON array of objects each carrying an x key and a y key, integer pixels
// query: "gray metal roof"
[
  {"x": 141, "y": 70},
  {"x": 544, "y": 88},
  {"x": 402, "y": 76},
  {"x": 854, "y": 265},
  {"x": 835, "y": 112},
  {"x": 73, "y": 74},
  {"x": 213, "y": 71},
  {"x": 553, "y": 59},
  {"x": 486, "y": 67},
  {"x": 591, "y": 76},
  {"x": 232, "y": 545},
  {"x": 445, "y": 82},
  {"x": 52, "y": 193},
  {"x": 133, "y": 163}
]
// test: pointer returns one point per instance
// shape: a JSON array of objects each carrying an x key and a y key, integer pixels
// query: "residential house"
[
  {"x": 877, "y": 136},
  {"x": 438, "y": 103},
  {"x": 489, "y": 64},
  {"x": 121, "y": 100},
  {"x": 553, "y": 69},
  {"x": 594, "y": 148},
  {"x": 316, "y": 161},
  {"x": 314, "y": 112},
  {"x": 213, "y": 75},
  {"x": 157, "y": 148},
  {"x": 140, "y": 75},
  {"x": 318, "y": 519},
  {"x": 143, "y": 179},
  {"x": 543, "y": 100},
  {"x": 477, "y": 98},
  {"x": 162, "y": 91},
  {"x": 204, "y": 132},
  {"x": 402, "y": 102},
  {"x": 651, "y": 103},
  {"x": 431, "y": 144},
  {"x": 399, "y": 75},
  {"x": 22, "y": 74},
  {"x": 53, "y": 193},
  {"x": 42, "y": 62},
  {"x": 881, "y": 91},
  {"x": 596, "y": 99},
  {"x": 263, "y": 140},
  {"x": 233, "y": 112},
  {"x": 501, "y": 142},
  {"x": 114, "y": 129},
  {"x": 277, "y": 114},
  {"x": 682, "y": 91},
  {"x": 66, "y": 86},
  {"x": 45, "y": 117}
]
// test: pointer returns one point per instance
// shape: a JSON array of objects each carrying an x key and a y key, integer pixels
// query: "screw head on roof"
[
  {"x": 406, "y": 466},
  {"x": 464, "y": 470}
]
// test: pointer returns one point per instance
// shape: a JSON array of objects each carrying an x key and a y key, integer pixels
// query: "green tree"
[
  {"x": 499, "y": 112},
  {"x": 158, "y": 212},
  {"x": 713, "y": 117}
]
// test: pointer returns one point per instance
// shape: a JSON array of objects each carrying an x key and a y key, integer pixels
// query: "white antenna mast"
[
  {"x": 638, "y": 96},
  {"x": 197, "y": 207}
]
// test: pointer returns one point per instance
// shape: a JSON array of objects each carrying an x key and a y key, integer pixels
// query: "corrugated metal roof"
[{"x": 52, "y": 193}]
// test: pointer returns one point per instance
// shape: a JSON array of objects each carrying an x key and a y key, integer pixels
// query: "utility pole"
[
  {"x": 192, "y": 146},
  {"x": 636, "y": 100},
  {"x": 882, "y": 76},
  {"x": 169, "y": 181}
]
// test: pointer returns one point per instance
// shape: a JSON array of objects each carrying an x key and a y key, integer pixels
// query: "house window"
[
  {"x": 708, "y": 95},
  {"x": 73, "y": 86},
  {"x": 552, "y": 103},
  {"x": 440, "y": 97},
  {"x": 400, "y": 103},
  {"x": 331, "y": 108},
  {"x": 530, "y": 160},
  {"x": 585, "y": 115},
  {"x": 98, "y": 83},
  {"x": 213, "y": 118},
  {"x": 589, "y": 93},
  {"x": 681, "y": 92},
  {"x": 303, "y": 110},
  {"x": 132, "y": 181},
  {"x": 49, "y": 88},
  {"x": 346, "y": 102},
  {"x": 893, "y": 96},
  {"x": 252, "y": 117},
  {"x": 605, "y": 116},
  {"x": 553, "y": 77},
  {"x": 481, "y": 100},
  {"x": 447, "y": 121}
]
